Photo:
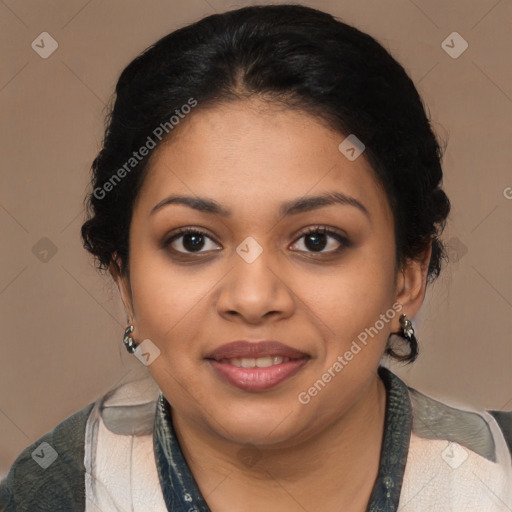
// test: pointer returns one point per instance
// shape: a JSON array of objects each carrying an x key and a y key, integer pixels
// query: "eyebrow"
[
  {"x": 307, "y": 203},
  {"x": 293, "y": 207},
  {"x": 201, "y": 204}
]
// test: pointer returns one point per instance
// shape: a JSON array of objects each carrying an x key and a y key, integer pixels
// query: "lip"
[
  {"x": 256, "y": 379},
  {"x": 243, "y": 348}
]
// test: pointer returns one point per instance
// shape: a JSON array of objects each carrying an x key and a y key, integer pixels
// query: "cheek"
[
  {"x": 356, "y": 294},
  {"x": 164, "y": 295}
]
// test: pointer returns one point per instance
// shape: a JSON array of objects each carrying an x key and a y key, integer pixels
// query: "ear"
[
  {"x": 411, "y": 286},
  {"x": 123, "y": 283}
]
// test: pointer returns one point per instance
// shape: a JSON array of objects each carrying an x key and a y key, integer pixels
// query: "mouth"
[
  {"x": 256, "y": 366},
  {"x": 259, "y": 362}
]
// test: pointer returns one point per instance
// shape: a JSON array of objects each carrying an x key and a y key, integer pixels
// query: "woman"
[{"x": 268, "y": 200}]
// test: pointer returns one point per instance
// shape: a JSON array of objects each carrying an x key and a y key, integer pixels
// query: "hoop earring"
[
  {"x": 408, "y": 334},
  {"x": 128, "y": 341}
]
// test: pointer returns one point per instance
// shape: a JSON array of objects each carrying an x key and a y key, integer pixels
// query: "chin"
[{"x": 258, "y": 425}]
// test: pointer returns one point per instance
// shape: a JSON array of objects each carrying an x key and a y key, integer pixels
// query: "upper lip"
[{"x": 254, "y": 349}]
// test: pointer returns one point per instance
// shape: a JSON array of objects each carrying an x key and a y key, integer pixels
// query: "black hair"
[{"x": 302, "y": 58}]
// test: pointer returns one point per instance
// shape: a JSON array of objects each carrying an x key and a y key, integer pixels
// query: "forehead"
[{"x": 252, "y": 154}]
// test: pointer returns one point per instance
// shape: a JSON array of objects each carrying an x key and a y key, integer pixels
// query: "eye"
[
  {"x": 192, "y": 240},
  {"x": 316, "y": 239}
]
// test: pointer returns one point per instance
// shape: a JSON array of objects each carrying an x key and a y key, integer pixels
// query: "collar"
[{"x": 180, "y": 490}]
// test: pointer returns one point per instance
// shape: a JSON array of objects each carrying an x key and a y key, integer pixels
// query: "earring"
[
  {"x": 128, "y": 341},
  {"x": 407, "y": 329}
]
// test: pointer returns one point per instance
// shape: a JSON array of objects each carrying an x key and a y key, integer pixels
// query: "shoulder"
[
  {"x": 49, "y": 474},
  {"x": 477, "y": 430},
  {"x": 458, "y": 456}
]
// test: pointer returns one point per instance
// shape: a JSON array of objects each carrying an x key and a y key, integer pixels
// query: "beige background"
[{"x": 62, "y": 323}]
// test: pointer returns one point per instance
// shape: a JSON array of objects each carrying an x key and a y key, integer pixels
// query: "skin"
[{"x": 251, "y": 156}]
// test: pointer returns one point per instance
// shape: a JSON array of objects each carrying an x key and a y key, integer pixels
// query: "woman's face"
[{"x": 252, "y": 274}]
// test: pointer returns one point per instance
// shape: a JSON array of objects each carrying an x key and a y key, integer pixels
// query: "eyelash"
[
  {"x": 326, "y": 230},
  {"x": 338, "y": 236}
]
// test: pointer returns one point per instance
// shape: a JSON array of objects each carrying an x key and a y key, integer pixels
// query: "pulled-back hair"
[{"x": 302, "y": 58}]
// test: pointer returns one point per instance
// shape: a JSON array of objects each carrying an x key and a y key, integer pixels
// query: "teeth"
[
  {"x": 260, "y": 362},
  {"x": 265, "y": 362},
  {"x": 248, "y": 362}
]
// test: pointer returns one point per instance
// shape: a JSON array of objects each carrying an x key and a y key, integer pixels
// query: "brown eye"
[
  {"x": 322, "y": 240},
  {"x": 190, "y": 240}
]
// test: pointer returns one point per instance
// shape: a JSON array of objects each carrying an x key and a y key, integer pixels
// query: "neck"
[{"x": 340, "y": 463}]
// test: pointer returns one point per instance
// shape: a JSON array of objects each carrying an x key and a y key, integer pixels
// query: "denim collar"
[{"x": 180, "y": 490}]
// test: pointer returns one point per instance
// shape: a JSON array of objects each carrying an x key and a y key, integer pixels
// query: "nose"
[{"x": 255, "y": 292}]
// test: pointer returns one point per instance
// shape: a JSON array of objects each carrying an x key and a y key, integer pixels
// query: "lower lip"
[{"x": 258, "y": 379}]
